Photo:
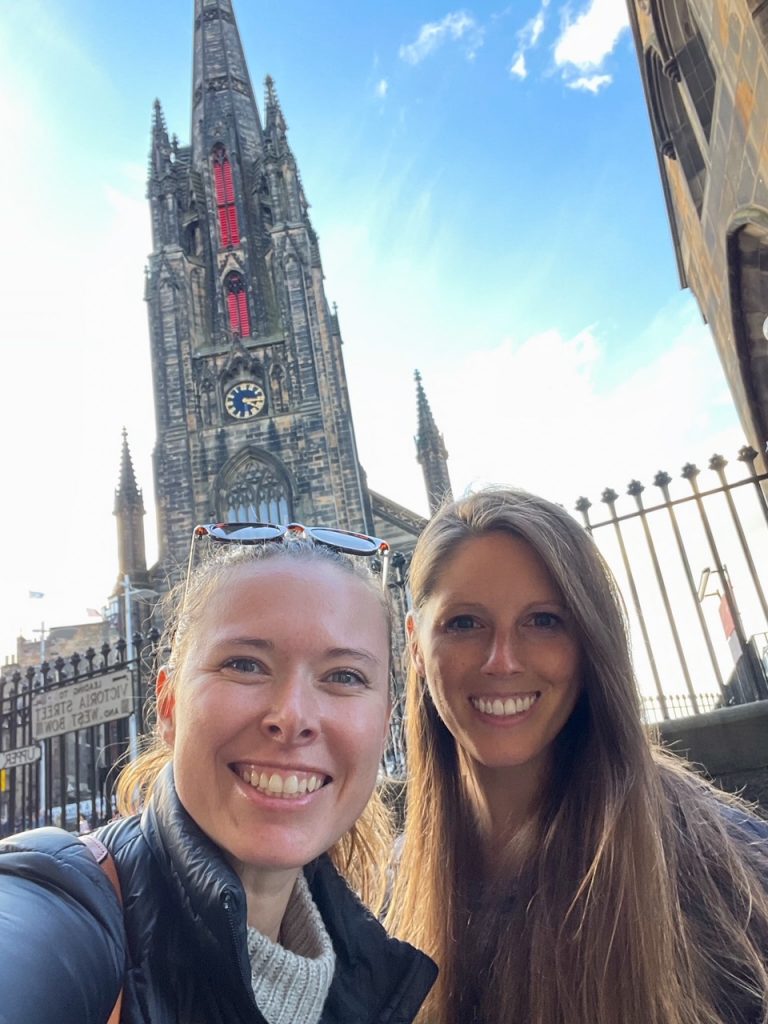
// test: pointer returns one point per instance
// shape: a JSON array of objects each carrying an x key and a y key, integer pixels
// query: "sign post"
[
  {"x": 80, "y": 705},
  {"x": 19, "y": 757}
]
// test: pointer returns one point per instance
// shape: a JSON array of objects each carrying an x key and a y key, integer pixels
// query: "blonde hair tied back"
[{"x": 362, "y": 853}]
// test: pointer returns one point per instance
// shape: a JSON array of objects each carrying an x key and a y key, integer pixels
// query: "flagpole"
[{"x": 41, "y": 631}]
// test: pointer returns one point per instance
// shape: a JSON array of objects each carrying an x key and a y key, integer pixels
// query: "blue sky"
[{"x": 485, "y": 189}]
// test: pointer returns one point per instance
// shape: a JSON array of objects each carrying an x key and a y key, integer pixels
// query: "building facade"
[
  {"x": 704, "y": 65},
  {"x": 252, "y": 405}
]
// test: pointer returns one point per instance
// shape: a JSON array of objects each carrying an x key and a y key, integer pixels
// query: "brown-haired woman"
[
  {"x": 272, "y": 715},
  {"x": 559, "y": 866}
]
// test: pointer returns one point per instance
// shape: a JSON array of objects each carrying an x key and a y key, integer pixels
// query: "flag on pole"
[{"x": 36, "y": 593}]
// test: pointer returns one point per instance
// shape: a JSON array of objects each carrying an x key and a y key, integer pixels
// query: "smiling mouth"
[
  {"x": 285, "y": 785},
  {"x": 505, "y": 708}
]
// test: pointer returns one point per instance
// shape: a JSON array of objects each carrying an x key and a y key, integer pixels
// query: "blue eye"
[
  {"x": 462, "y": 623},
  {"x": 546, "y": 620},
  {"x": 347, "y": 677},
  {"x": 244, "y": 665}
]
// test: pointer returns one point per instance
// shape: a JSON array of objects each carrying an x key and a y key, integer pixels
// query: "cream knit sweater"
[{"x": 291, "y": 979}]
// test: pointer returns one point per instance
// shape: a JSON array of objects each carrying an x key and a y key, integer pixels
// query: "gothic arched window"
[
  {"x": 258, "y": 494},
  {"x": 229, "y": 230},
  {"x": 693, "y": 63},
  {"x": 674, "y": 132},
  {"x": 237, "y": 304}
]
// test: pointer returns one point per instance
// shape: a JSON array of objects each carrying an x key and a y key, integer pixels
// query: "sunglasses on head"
[{"x": 267, "y": 533}]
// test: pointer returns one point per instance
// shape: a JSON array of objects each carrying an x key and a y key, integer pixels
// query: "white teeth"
[
  {"x": 504, "y": 708},
  {"x": 275, "y": 784},
  {"x": 282, "y": 786}
]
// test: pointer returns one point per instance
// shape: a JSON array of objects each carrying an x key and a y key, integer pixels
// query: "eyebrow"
[
  {"x": 249, "y": 641},
  {"x": 260, "y": 644},
  {"x": 352, "y": 652},
  {"x": 455, "y": 601}
]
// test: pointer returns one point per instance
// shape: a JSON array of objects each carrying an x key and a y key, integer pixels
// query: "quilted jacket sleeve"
[{"x": 62, "y": 942}]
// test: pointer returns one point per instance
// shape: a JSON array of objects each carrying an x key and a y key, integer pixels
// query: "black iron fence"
[
  {"x": 691, "y": 558},
  {"x": 65, "y": 729}
]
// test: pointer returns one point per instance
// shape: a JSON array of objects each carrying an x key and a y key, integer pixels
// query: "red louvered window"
[
  {"x": 237, "y": 305},
  {"x": 229, "y": 229}
]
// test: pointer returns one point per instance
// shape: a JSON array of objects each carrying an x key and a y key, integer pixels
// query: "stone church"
[
  {"x": 251, "y": 400},
  {"x": 704, "y": 67}
]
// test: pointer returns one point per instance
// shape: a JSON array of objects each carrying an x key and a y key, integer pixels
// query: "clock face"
[{"x": 245, "y": 400}]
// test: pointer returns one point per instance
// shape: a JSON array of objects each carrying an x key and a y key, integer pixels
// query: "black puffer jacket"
[{"x": 179, "y": 945}]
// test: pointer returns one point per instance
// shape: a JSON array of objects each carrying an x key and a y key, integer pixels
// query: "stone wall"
[{"x": 731, "y": 744}]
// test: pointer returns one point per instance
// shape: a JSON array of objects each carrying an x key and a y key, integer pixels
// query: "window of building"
[
  {"x": 237, "y": 305},
  {"x": 259, "y": 494},
  {"x": 693, "y": 63},
  {"x": 229, "y": 230},
  {"x": 674, "y": 132}
]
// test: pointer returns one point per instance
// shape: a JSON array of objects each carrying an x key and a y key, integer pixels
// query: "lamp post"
[{"x": 129, "y": 593}]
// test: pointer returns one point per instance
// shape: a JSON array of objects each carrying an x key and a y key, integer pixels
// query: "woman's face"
[
  {"x": 279, "y": 716},
  {"x": 497, "y": 648}
]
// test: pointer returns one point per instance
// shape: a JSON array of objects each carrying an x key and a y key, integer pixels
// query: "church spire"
[
  {"x": 129, "y": 512},
  {"x": 275, "y": 127},
  {"x": 162, "y": 182},
  {"x": 290, "y": 206},
  {"x": 222, "y": 96},
  {"x": 160, "y": 153},
  {"x": 430, "y": 451}
]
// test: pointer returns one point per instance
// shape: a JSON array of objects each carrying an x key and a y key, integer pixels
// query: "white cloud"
[
  {"x": 590, "y": 83},
  {"x": 544, "y": 406},
  {"x": 432, "y": 35},
  {"x": 527, "y": 38},
  {"x": 382, "y": 88},
  {"x": 589, "y": 38},
  {"x": 518, "y": 68},
  {"x": 536, "y": 26}
]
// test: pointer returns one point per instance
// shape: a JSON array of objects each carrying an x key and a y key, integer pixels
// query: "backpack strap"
[{"x": 106, "y": 862}]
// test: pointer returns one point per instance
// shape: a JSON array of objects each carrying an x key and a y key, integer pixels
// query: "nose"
[
  {"x": 503, "y": 657},
  {"x": 292, "y": 715}
]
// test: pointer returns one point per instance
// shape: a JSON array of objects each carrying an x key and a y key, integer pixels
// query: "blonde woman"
[
  {"x": 272, "y": 713},
  {"x": 558, "y": 866}
]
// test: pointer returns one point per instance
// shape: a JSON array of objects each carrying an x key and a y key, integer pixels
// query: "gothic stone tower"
[
  {"x": 252, "y": 408},
  {"x": 704, "y": 69}
]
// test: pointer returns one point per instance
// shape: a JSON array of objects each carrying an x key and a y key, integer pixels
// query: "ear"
[
  {"x": 413, "y": 643},
  {"x": 166, "y": 707}
]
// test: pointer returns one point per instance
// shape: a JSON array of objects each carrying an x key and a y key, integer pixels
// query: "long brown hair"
[
  {"x": 360, "y": 854},
  {"x": 631, "y": 896}
]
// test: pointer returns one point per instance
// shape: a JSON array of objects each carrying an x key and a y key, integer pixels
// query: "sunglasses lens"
[
  {"x": 245, "y": 533},
  {"x": 353, "y": 543}
]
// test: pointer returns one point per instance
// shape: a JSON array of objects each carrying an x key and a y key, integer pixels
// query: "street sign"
[
  {"x": 19, "y": 757},
  {"x": 79, "y": 705}
]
